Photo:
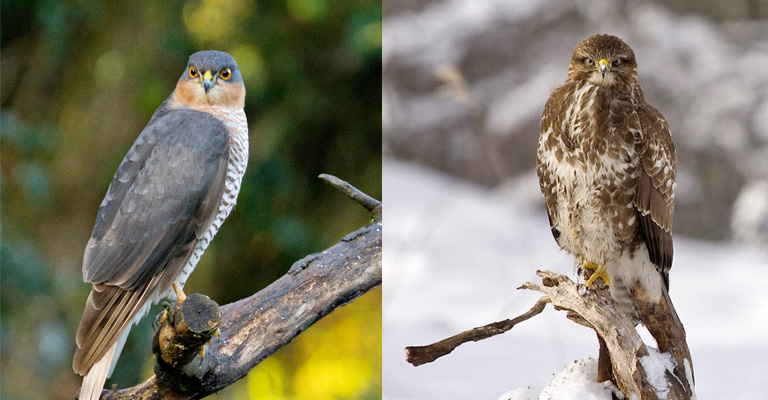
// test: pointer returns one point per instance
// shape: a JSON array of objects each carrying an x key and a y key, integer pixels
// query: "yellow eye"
[
  {"x": 226, "y": 74},
  {"x": 192, "y": 72}
]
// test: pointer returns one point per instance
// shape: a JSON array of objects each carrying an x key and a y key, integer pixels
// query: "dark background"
[{"x": 79, "y": 82}]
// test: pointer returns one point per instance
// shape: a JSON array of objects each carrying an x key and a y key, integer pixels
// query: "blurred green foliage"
[{"x": 79, "y": 81}]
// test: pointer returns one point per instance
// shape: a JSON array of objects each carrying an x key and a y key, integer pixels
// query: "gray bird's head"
[
  {"x": 211, "y": 78},
  {"x": 603, "y": 60}
]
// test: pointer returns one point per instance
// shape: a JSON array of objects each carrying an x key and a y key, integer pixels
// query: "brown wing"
[
  {"x": 549, "y": 131},
  {"x": 161, "y": 198},
  {"x": 655, "y": 194}
]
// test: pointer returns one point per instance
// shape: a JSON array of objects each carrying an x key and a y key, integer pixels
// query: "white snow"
[
  {"x": 455, "y": 254},
  {"x": 656, "y": 365},
  {"x": 578, "y": 381}
]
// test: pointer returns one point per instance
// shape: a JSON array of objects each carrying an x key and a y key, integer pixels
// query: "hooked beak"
[
  {"x": 602, "y": 66},
  {"x": 207, "y": 81}
]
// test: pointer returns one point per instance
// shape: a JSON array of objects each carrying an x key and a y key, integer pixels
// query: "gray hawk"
[{"x": 168, "y": 198}]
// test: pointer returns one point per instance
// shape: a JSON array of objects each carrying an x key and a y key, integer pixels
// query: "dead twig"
[
  {"x": 352, "y": 192},
  {"x": 624, "y": 358},
  {"x": 418, "y": 355}
]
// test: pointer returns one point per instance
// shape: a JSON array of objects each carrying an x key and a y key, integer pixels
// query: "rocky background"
[{"x": 464, "y": 84}]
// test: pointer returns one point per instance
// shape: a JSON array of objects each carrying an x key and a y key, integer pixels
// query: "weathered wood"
[
  {"x": 622, "y": 351},
  {"x": 663, "y": 323},
  {"x": 185, "y": 328},
  {"x": 418, "y": 355},
  {"x": 598, "y": 310},
  {"x": 604, "y": 370},
  {"x": 254, "y": 328},
  {"x": 352, "y": 192}
]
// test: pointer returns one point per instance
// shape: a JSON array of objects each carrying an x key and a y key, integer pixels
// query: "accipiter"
[{"x": 170, "y": 195}]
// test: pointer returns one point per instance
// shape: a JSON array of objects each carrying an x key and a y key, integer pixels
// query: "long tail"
[{"x": 93, "y": 381}]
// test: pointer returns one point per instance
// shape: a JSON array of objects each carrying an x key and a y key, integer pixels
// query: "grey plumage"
[
  {"x": 161, "y": 199},
  {"x": 173, "y": 190}
]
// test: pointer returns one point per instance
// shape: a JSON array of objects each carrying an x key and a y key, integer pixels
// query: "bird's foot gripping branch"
[
  {"x": 624, "y": 358},
  {"x": 252, "y": 329}
]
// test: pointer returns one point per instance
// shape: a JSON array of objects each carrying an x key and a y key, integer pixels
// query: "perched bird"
[
  {"x": 606, "y": 166},
  {"x": 167, "y": 200}
]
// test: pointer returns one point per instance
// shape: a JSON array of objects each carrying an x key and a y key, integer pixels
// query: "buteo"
[
  {"x": 173, "y": 190},
  {"x": 606, "y": 166}
]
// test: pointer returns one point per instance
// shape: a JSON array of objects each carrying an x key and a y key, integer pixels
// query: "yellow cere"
[
  {"x": 602, "y": 62},
  {"x": 207, "y": 76}
]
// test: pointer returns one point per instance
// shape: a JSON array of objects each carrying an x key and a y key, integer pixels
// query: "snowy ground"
[{"x": 454, "y": 254}]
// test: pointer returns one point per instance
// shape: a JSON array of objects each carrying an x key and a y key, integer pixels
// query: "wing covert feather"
[
  {"x": 145, "y": 230},
  {"x": 153, "y": 203},
  {"x": 655, "y": 194}
]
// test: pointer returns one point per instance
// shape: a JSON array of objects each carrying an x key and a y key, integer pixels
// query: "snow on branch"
[{"x": 639, "y": 371}]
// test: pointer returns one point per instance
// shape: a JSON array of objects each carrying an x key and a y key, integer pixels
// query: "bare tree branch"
[
  {"x": 254, "y": 328},
  {"x": 624, "y": 358},
  {"x": 352, "y": 192},
  {"x": 418, "y": 355}
]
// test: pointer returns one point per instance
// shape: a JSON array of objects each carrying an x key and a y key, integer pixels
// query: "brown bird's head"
[
  {"x": 212, "y": 78},
  {"x": 604, "y": 60}
]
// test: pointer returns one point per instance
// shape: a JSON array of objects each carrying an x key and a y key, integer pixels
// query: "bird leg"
[
  {"x": 600, "y": 272},
  {"x": 179, "y": 293},
  {"x": 202, "y": 351}
]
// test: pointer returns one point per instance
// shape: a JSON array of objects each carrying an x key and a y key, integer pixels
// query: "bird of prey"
[
  {"x": 167, "y": 200},
  {"x": 606, "y": 166}
]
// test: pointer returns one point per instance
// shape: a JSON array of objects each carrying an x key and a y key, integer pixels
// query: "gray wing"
[
  {"x": 162, "y": 198},
  {"x": 655, "y": 196}
]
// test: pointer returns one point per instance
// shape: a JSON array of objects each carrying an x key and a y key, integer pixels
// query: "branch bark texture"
[
  {"x": 633, "y": 367},
  {"x": 254, "y": 328}
]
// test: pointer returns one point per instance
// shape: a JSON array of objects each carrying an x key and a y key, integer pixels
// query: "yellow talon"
[
  {"x": 216, "y": 334},
  {"x": 202, "y": 352},
  {"x": 164, "y": 317},
  {"x": 600, "y": 272},
  {"x": 575, "y": 234}
]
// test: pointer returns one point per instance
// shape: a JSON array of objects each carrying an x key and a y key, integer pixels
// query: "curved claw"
[{"x": 161, "y": 317}]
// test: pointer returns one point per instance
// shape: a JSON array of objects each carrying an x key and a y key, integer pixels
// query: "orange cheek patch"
[
  {"x": 189, "y": 93},
  {"x": 230, "y": 95}
]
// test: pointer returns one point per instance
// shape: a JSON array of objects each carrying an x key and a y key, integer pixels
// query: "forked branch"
[{"x": 638, "y": 371}]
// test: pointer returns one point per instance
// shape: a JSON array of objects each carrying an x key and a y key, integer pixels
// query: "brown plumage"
[
  {"x": 174, "y": 188},
  {"x": 606, "y": 166}
]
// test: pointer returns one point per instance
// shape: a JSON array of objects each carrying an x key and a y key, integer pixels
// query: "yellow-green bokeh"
[{"x": 81, "y": 79}]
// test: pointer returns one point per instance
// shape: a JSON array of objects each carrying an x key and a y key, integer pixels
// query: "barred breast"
[{"x": 237, "y": 126}]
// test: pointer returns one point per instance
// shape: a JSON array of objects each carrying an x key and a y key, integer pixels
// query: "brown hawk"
[
  {"x": 170, "y": 195},
  {"x": 606, "y": 166}
]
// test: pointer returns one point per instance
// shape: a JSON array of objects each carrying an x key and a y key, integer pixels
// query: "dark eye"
[
  {"x": 226, "y": 74},
  {"x": 588, "y": 61},
  {"x": 192, "y": 72},
  {"x": 617, "y": 62}
]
